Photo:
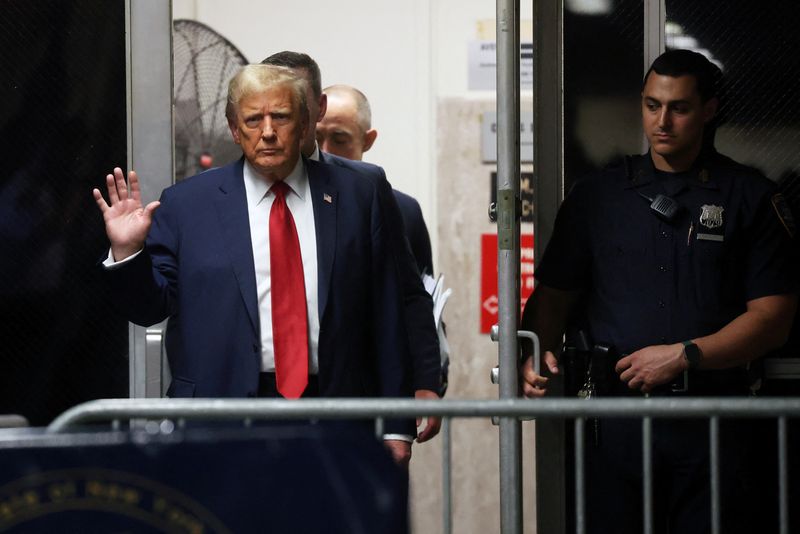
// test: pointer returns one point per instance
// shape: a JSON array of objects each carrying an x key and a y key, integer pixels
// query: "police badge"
[{"x": 711, "y": 217}]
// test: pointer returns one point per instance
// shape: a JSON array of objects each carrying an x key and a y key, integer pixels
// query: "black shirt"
[{"x": 647, "y": 281}]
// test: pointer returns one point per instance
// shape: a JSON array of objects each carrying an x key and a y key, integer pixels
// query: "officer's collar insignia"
[
  {"x": 784, "y": 213},
  {"x": 711, "y": 217}
]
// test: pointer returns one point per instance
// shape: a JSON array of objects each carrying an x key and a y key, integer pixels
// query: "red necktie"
[{"x": 289, "y": 314}]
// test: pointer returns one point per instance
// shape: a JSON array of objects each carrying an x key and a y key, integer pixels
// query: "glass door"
[{"x": 63, "y": 125}]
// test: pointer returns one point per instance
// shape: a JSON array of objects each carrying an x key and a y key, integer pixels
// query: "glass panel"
[
  {"x": 63, "y": 126},
  {"x": 603, "y": 58},
  {"x": 757, "y": 48}
]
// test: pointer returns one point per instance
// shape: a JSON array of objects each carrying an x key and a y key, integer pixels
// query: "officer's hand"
[
  {"x": 651, "y": 366},
  {"x": 535, "y": 385}
]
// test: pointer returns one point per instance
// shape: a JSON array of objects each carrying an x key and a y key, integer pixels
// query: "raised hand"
[{"x": 127, "y": 222}]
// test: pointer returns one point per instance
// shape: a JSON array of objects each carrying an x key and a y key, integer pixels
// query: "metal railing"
[
  {"x": 12, "y": 421},
  {"x": 713, "y": 409}
]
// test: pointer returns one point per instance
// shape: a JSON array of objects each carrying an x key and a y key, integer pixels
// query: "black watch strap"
[{"x": 692, "y": 353}]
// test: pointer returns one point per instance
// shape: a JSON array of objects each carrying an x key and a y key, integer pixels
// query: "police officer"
[{"x": 679, "y": 261}]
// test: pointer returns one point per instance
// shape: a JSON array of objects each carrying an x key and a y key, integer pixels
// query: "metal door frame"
[
  {"x": 150, "y": 152},
  {"x": 548, "y": 153},
  {"x": 551, "y": 498}
]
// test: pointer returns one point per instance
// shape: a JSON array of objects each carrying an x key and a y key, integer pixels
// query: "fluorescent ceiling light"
[
  {"x": 682, "y": 41},
  {"x": 589, "y": 7}
]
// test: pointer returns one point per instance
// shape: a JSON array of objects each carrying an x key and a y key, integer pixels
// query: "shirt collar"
[
  {"x": 256, "y": 186},
  {"x": 315, "y": 155},
  {"x": 641, "y": 171}
]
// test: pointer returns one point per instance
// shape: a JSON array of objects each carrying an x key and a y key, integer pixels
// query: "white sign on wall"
[
  {"x": 489, "y": 137},
  {"x": 482, "y": 57}
]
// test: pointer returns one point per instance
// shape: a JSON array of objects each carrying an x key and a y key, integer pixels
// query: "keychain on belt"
[{"x": 588, "y": 391}]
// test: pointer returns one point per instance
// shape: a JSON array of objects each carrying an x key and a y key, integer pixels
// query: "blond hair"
[{"x": 252, "y": 79}]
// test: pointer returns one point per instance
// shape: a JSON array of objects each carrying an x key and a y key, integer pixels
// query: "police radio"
[{"x": 664, "y": 207}]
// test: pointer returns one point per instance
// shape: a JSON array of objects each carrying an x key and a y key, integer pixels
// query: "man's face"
[
  {"x": 673, "y": 118},
  {"x": 269, "y": 128},
  {"x": 339, "y": 132}
]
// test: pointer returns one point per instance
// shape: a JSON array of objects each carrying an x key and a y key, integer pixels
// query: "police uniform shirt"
[{"x": 647, "y": 281}]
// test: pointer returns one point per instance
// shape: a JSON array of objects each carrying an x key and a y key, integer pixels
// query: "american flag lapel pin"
[{"x": 327, "y": 198}]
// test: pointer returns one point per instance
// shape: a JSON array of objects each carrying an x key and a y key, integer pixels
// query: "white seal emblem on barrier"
[{"x": 711, "y": 217}]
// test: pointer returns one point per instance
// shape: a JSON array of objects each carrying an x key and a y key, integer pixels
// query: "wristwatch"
[{"x": 692, "y": 353}]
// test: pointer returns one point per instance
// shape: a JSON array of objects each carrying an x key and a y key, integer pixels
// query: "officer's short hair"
[{"x": 687, "y": 62}]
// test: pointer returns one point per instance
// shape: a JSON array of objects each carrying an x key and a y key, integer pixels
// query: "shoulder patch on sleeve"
[{"x": 784, "y": 213}]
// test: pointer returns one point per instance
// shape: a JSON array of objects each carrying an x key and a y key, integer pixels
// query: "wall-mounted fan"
[{"x": 203, "y": 63}]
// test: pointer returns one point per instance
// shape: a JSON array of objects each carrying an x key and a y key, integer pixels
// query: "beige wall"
[{"x": 463, "y": 193}]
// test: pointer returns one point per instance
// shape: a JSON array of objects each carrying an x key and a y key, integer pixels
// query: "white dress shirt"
[{"x": 298, "y": 200}]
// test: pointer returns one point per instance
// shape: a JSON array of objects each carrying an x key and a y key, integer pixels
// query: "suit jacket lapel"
[
  {"x": 231, "y": 204},
  {"x": 325, "y": 201}
]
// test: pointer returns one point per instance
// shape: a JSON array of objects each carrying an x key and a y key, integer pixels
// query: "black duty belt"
[{"x": 594, "y": 372}]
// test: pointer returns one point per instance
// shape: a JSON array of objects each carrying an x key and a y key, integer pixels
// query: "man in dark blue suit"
[
  {"x": 204, "y": 257},
  {"x": 422, "y": 338}
]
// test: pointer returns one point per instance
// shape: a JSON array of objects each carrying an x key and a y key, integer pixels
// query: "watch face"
[{"x": 692, "y": 352}]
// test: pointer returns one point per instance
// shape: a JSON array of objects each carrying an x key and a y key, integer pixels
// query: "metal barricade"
[
  {"x": 13, "y": 421},
  {"x": 580, "y": 410}
]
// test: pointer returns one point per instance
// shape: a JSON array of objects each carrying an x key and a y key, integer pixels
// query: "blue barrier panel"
[{"x": 274, "y": 478}]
